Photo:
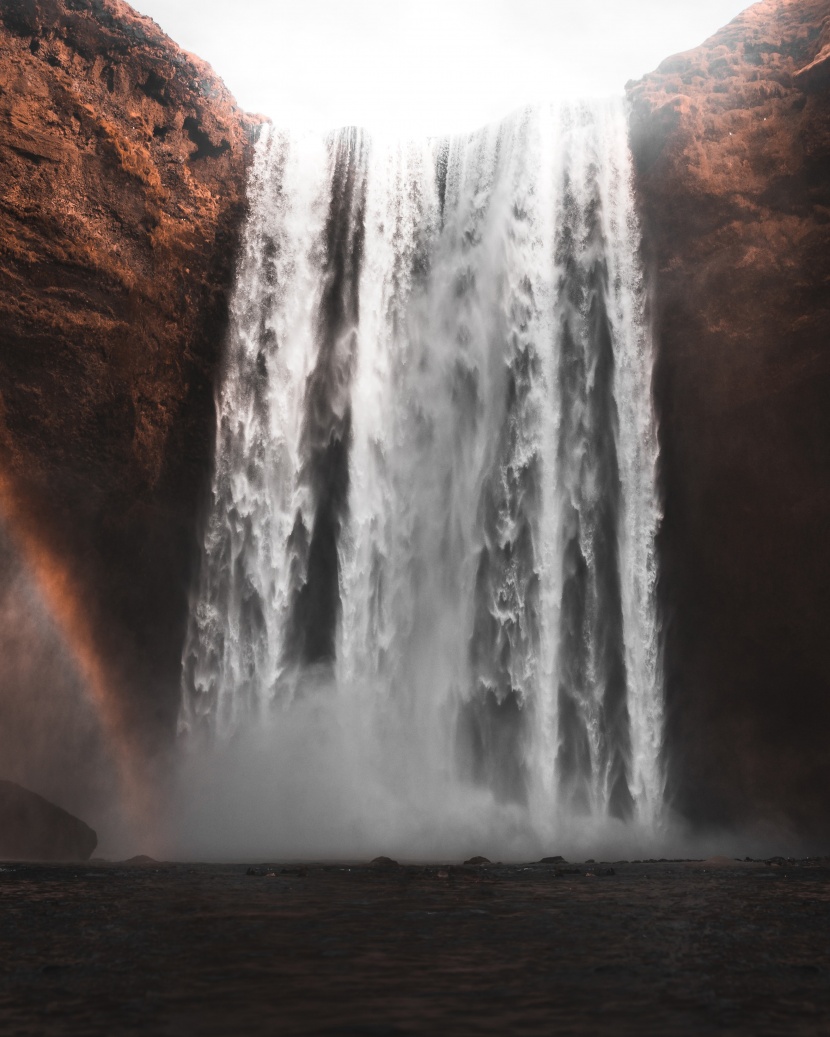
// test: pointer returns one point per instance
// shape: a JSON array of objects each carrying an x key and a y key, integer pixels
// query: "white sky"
[{"x": 428, "y": 66}]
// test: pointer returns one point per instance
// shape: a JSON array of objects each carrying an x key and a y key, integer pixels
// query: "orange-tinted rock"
[
  {"x": 732, "y": 147},
  {"x": 122, "y": 164}
]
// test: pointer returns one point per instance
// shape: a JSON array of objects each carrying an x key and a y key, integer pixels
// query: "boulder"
[{"x": 32, "y": 828}]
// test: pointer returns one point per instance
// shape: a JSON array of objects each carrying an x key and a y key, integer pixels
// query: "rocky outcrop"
[
  {"x": 33, "y": 829},
  {"x": 732, "y": 149},
  {"x": 122, "y": 164}
]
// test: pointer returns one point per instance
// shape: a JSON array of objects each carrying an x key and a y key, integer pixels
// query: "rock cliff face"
[
  {"x": 122, "y": 171},
  {"x": 122, "y": 168},
  {"x": 732, "y": 148}
]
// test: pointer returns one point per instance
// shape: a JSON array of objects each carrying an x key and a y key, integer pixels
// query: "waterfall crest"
[{"x": 433, "y": 511}]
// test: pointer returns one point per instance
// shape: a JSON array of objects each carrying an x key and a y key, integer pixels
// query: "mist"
[
  {"x": 317, "y": 782},
  {"x": 52, "y": 739},
  {"x": 431, "y": 67}
]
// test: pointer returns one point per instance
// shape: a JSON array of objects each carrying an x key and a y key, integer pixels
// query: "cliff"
[
  {"x": 122, "y": 164},
  {"x": 732, "y": 150}
]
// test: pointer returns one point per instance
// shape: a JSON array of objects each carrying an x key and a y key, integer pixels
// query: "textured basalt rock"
[
  {"x": 732, "y": 149},
  {"x": 33, "y": 829},
  {"x": 122, "y": 165}
]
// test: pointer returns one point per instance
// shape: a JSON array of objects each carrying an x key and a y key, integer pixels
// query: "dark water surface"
[{"x": 654, "y": 948}]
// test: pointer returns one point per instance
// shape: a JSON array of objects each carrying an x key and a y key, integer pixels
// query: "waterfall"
[{"x": 433, "y": 511}]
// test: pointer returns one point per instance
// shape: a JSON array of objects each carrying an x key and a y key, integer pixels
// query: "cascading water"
[{"x": 428, "y": 577}]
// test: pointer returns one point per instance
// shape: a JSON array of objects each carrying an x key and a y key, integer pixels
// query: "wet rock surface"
[
  {"x": 122, "y": 163},
  {"x": 732, "y": 148},
  {"x": 32, "y": 828},
  {"x": 654, "y": 948}
]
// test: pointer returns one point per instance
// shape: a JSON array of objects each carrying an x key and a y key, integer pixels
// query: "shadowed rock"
[
  {"x": 32, "y": 828},
  {"x": 732, "y": 147}
]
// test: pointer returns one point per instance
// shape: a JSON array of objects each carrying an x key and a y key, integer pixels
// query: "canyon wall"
[
  {"x": 732, "y": 148},
  {"x": 122, "y": 165}
]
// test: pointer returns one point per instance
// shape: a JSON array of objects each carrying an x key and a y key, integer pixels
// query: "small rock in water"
[
  {"x": 553, "y": 860},
  {"x": 478, "y": 860},
  {"x": 720, "y": 861},
  {"x": 384, "y": 862}
]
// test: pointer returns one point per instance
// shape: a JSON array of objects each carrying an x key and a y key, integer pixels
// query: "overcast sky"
[{"x": 428, "y": 66}]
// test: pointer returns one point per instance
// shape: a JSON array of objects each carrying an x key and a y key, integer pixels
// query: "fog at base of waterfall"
[
  {"x": 425, "y": 622},
  {"x": 316, "y": 783}
]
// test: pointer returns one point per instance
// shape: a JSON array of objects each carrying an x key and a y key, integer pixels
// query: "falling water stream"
[{"x": 426, "y": 605}]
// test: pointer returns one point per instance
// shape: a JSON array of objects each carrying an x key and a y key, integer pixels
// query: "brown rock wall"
[
  {"x": 732, "y": 149},
  {"x": 122, "y": 168}
]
